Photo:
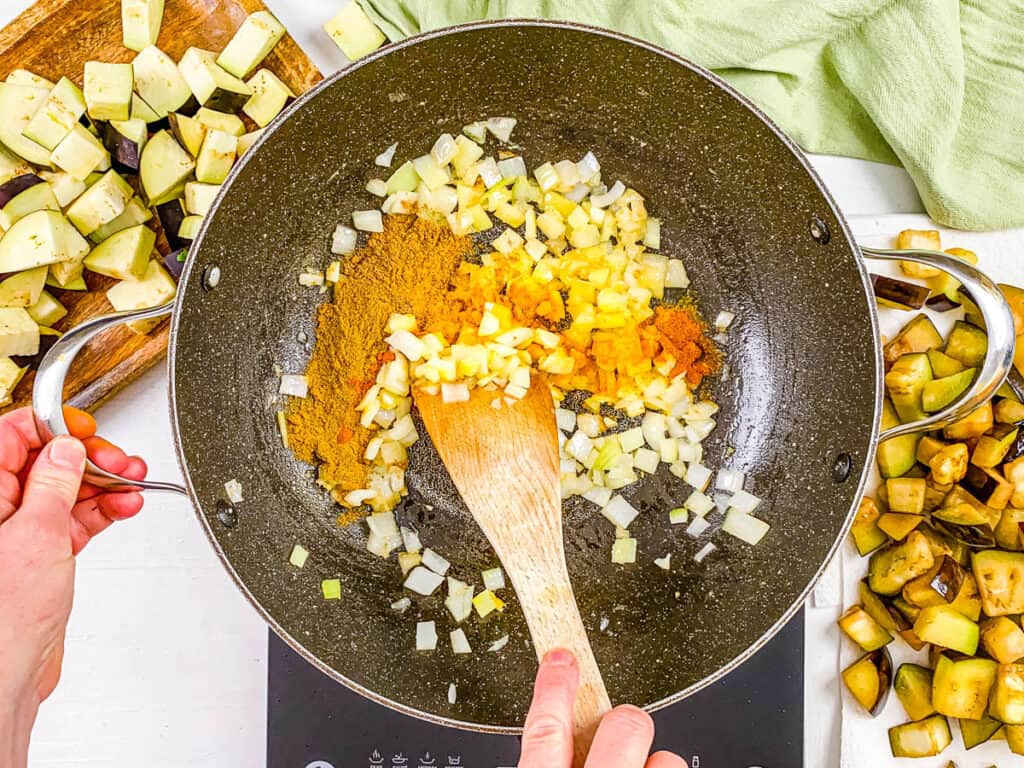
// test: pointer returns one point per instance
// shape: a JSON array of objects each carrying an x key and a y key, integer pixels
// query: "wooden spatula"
[{"x": 504, "y": 461}]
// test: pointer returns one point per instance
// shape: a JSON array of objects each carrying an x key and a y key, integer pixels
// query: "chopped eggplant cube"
[
  {"x": 188, "y": 131},
  {"x": 975, "y": 424},
  {"x": 125, "y": 141},
  {"x": 1007, "y": 701},
  {"x": 19, "y": 334},
  {"x": 977, "y": 732},
  {"x": 919, "y": 335},
  {"x": 961, "y": 688},
  {"x": 941, "y": 302},
  {"x": 967, "y": 344},
  {"x": 943, "y": 365},
  {"x": 23, "y": 289},
  {"x": 189, "y": 229},
  {"x": 199, "y": 197},
  {"x": 944, "y": 626},
  {"x": 1001, "y": 638},
  {"x": 928, "y": 447},
  {"x": 876, "y": 608},
  {"x": 246, "y": 140},
  {"x": 124, "y": 255},
  {"x": 895, "y": 456},
  {"x": 864, "y": 630},
  {"x": 893, "y": 566},
  {"x": 155, "y": 288},
  {"x": 939, "y": 586},
  {"x": 164, "y": 168},
  {"x": 906, "y": 494},
  {"x": 60, "y": 113},
  {"x": 103, "y": 202},
  {"x": 135, "y": 212},
  {"x": 24, "y": 195},
  {"x": 18, "y": 105},
  {"x": 1008, "y": 530},
  {"x": 869, "y": 680},
  {"x": 1000, "y": 578},
  {"x": 140, "y": 22},
  {"x": 269, "y": 97},
  {"x": 108, "y": 90},
  {"x": 939, "y": 393},
  {"x": 905, "y": 382},
  {"x": 80, "y": 153},
  {"x": 992, "y": 449},
  {"x": 865, "y": 531},
  {"x": 25, "y": 77},
  {"x": 1008, "y": 411},
  {"x": 43, "y": 237},
  {"x": 217, "y": 157},
  {"x": 897, "y": 525},
  {"x": 1015, "y": 738},
  {"x": 354, "y": 32},
  {"x": 949, "y": 463},
  {"x": 256, "y": 38},
  {"x": 212, "y": 120},
  {"x": 212, "y": 86},
  {"x": 159, "y": 82},
  {"x": 171, "y": 214},
  {"x": 913, "y": 686},
  {"x": 924, "y": 738},
  {"x": 898, "y": 294}
]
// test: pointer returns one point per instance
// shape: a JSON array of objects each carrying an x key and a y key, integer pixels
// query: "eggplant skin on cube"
[
  {"x": 213, "y": 86},
  {"x": 924, "y": 738},
  {"x": 869, "y": 680},
  {"x": 961, "y": 687},
  {"x": 11, "y": 189}
]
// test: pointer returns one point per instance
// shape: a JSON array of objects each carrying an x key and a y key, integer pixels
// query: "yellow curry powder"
[{"x": 405, "y": 269}]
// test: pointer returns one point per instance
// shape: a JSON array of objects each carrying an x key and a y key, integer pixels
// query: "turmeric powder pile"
[{"x": 404, "y": 269}]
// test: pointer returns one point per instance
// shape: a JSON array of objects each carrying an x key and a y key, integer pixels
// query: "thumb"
[{"x": 52, "y": 488}]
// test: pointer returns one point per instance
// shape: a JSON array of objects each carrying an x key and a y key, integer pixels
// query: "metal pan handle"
[
  {"x": 998, "y": 323},
  {"x": 48, "y": 392}
]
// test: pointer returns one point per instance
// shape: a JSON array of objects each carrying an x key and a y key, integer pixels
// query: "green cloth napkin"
[{"x": 935, "y": 85}]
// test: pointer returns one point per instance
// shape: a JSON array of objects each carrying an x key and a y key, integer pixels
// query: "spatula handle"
[{"x": 546, "y": 596}]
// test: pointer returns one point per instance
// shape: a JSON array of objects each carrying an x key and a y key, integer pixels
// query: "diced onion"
[
  {"x": 698, "y": 476},
  {"x": 565, "y": 419},
  {"x": 452, "y": 693},
  {"x": 500, "y": 127},
  {"x": 233, "y": 490},
  {"x": 410, "y": 540},
  {"x": 665, "y": 563},
  {"x": 624, "y": 551},
  {"x": 383, "y": 524},
  {"x": 299, "y": 556},
  {"x": 294, "y": 385},
  {"x": 653, "y": 428},
  {"x": 486, "y": 603},
  {"x": 699, "y": 503},
  {"x": 619, "y": 512},
  {"x": 459, "y": 641},
  {"x": 401, "y": 605},
  {"x": 676, "y": 276},
  {"x": 408, "y": 344},
  {"x": 426, "y": 636},
  {"x": 588, "y": 167},
  {"x": 706, "y": 550},
  {"x": 729, "y": 480},
  {"x": 512, "y": 167},
  {"x": 678, "y": 516},
  {"x": 744, "y": 502},
  {"x": 385, "y": 158},
  {"x": 476, "y": 131},
  {"x": 578, "y": 193},
  {"x": 454, "y": 393},
  {"x": 494, "y": 579},
  {"x": 724, "y": 320},
  {"x": 697, "y": 527},
  {"x": 423, "y": 581},
  {"x": 631, "y": 439},
  {"x": 368, "y": 221},
  {"x": 609, "y": 197},
  {"x": 646, "y": 460},
  {"x": 498, "y": 644},
  {"x": 597, "y": 495},
  {"x": 435, "y": 562},
  {"x": 444, "y": 149},
  {"x": 344, "y": 240},
  {"x": 377, "y": 187},
  {"x": 408, "y": 560},
  {"x": 745, "y": 527},
  {"x": 652, "y": 235}
]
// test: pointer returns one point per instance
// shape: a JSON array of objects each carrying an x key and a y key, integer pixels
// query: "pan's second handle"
[
  {"x": 48, "y": 392},
  {"x": 998, "y": 322},
  {"x": 546, "y": 597}
]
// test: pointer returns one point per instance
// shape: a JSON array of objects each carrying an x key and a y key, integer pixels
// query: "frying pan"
[{"x": 800, "y": 395}]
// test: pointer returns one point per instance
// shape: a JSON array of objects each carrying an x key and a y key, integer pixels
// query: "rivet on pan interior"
[
  {"x": 819, "y": 230},
  {"x": 841, "y": 469},
  {"x": 211, "y": 276}
]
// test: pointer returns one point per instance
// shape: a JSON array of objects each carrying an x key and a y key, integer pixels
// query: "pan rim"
[{"x": 794, "y": 149}]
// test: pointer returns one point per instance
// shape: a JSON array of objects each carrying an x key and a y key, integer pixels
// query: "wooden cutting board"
[{"x": 55, "y": 38}]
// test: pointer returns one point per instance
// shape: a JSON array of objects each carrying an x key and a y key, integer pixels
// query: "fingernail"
[
  {"x": 559, "y": 658},
  {"x": 67, "y": 452}
]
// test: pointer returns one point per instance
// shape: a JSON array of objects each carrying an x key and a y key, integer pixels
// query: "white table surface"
[{"x": 166, "y": 662}]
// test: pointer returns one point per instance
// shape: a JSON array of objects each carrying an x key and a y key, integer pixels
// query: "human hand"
[
  {"x": 46, "y": 517},
  {"x": 623, "y": 739}
]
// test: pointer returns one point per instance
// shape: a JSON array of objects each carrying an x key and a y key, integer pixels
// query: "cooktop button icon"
[
  {"x": 427, "y": 761},
  {"x": 319, "y": 764},
  {"x": 399, "y": 759},
  {"x": 454, "y": 759}
]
